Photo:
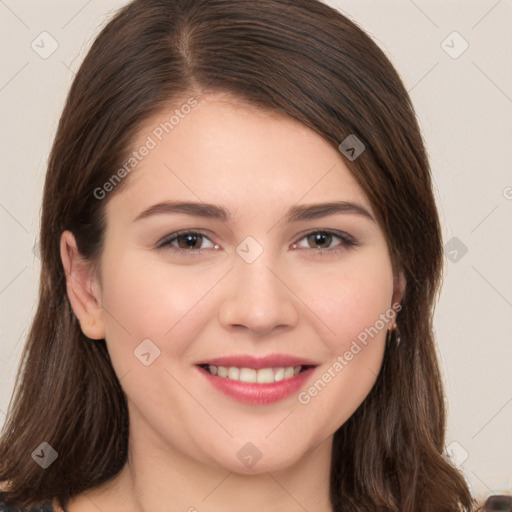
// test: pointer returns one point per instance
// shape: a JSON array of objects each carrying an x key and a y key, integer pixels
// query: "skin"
[{"x": 184, "y": 434}]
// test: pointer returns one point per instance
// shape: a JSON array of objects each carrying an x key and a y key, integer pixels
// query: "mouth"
[
  {"x": 257, "y": 381},
  {"x": 248, "y": 375}
]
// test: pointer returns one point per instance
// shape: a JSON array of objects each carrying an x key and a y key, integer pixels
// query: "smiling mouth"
[{"x": 255, "y": 376}]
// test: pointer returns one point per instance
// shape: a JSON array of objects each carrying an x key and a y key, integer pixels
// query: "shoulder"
[{"x": 44, "y": 507}]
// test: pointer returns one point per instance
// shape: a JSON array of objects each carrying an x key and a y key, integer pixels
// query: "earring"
[{"x": 394, "y": 330}]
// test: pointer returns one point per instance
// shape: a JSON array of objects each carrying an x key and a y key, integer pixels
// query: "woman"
[{"x": 240, "y": 257}]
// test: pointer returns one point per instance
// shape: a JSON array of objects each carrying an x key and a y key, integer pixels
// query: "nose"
[{"x": 258, "y": 297}]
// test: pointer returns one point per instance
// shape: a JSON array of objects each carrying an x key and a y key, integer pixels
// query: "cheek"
[
  {"x": 348, "y": 299},
  {"x": 351, "y": 306},
  {"x": 149, "y": 299}
]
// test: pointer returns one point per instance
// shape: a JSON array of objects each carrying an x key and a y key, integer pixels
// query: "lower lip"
[{"x": 258, "y": 394}]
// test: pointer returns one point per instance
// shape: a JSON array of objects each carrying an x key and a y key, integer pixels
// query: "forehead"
[{"x": 226, "y": 152}]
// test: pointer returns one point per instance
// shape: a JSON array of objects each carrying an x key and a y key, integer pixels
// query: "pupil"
[
  {"x": 190, "y": 240},
  {"x": 320, "y": 238}
]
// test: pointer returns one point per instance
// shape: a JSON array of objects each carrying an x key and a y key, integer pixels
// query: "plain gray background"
[{"x": 463, "y": 98}]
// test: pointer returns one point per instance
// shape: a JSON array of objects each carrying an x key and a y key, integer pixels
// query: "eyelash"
[{"x": 346, "y": 242}]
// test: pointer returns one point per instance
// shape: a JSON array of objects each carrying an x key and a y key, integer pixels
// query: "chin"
[{"x": 255, "y": 459}]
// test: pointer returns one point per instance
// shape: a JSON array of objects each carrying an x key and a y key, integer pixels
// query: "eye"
[
  {"x": 324, "y": 238},
  {"x": 186, "y": 242},
  {"x": 190, "y": 242}
]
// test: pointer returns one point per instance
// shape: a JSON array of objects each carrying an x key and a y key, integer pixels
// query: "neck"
[
  {"x": 150, "y": 482},
  {"x": 158, "y": 477},
  {"x": 155, "y": 484}
]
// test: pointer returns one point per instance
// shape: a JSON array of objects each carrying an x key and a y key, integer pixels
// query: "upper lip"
[{"x": 268, "y": 361}]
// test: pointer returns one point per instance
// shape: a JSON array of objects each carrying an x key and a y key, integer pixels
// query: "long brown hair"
[{"x": 297, "y": 57}]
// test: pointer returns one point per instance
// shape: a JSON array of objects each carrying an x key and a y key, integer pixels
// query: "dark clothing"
[{"x": 44, "y": 507}]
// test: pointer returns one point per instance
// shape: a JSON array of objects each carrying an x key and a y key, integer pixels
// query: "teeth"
[
  {"x": 279, "y": 374},
  {"x": 288, "y": 372},
  {"x": 265, "y": 376},
  {"x": 250, "y": 375},
  {"x": 234, "y": 373}
]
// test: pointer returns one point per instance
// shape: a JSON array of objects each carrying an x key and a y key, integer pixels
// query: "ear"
[
  {"x": 82, "y": 288},
  {"x": 399, "y": 284}
]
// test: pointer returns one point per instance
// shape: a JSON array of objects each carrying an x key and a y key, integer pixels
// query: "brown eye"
[
  {"x": 320, "y": 238},
  {"x": 189, "y": 241},
  {"x": 186, "y": 241},
  {"x": 323, "y": 241}
]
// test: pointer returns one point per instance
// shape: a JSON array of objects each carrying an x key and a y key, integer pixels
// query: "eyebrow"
[{"x": 294, "y": 214}]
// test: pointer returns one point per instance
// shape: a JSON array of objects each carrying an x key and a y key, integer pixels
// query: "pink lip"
[
  {"x": 258, "y": 394},
  {"x": 247, "y": 361},
  {"x": 251, "y": 393}
]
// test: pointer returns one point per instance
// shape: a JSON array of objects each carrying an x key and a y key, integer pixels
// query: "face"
[{"x": 264, "y": 274}]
